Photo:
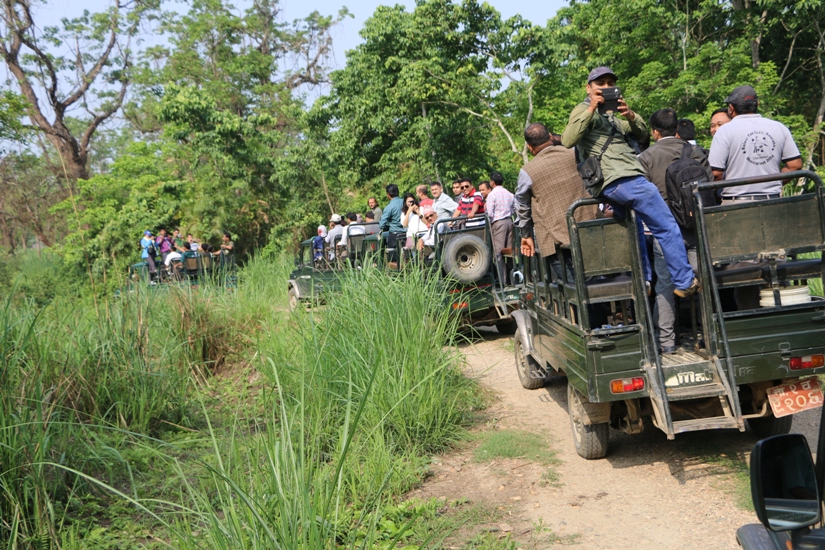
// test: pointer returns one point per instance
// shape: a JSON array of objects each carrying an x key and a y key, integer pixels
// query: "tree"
[
  {"x": 424, "y": 96},
  {"x": 98, "y": 71}
]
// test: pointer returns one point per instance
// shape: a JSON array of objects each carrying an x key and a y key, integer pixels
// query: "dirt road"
[{"x": 648, "y": 492}]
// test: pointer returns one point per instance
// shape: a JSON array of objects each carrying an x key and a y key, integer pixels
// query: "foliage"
[
  {"x": 112, "y": 423},
  {"x": 440, "y": 69},
  {"x": 93, "y": 74}
]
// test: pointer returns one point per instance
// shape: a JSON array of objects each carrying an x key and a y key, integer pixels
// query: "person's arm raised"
[{"x": 577, "y": 125}]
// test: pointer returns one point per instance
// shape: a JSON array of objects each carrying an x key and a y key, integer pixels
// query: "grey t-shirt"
[
  {"x": 444, "y": 206},
  {"x": 751, "y": 145}
]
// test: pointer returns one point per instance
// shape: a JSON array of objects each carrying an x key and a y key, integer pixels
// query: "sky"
[{"x": 345, "y": 37}]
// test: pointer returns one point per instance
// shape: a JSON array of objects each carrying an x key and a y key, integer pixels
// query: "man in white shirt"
[
  {"x": 351, "y": 229},
  {"x": 427, "y": 241},
  {"x": 751, "y": 145},
  {"x": 336, "y": 229},
  {"x": 748, "y": 146}
]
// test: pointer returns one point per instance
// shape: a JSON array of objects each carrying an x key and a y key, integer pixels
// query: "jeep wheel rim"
[
  {"x": 575, "y": 416},
  {"x": 523, "y": 368},
  {"x": 467, "y": 258}
]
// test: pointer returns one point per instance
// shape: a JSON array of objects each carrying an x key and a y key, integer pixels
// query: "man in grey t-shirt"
[{"x": 751, "y": 145}]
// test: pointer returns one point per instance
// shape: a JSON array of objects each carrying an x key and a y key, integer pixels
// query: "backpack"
[
  {"x": 680, "y": 179},
  {"x": 149, "y": 249}
]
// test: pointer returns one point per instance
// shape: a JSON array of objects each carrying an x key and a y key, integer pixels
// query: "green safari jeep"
[
  {"x": 479, "y": 290},
  {"x": 597, "y": 330}
]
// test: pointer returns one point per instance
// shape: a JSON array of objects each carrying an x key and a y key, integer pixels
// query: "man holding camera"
[{"x": 595, "y": 130}]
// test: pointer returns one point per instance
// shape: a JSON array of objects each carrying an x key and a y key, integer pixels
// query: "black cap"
[
  {"x": 600, "y": 71},
  {"x": 741, "y": 94}
]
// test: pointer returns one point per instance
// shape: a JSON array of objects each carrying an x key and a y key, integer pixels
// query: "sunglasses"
[
  {"x": 410, "y": 202},
  {"x": 465, "y": 187}
]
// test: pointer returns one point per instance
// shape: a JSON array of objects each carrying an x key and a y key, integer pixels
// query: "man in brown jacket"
[{"x": 547, "y": 186}]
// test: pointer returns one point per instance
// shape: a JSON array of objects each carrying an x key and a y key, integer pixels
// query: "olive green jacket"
[{"x": 589, "y": 132}]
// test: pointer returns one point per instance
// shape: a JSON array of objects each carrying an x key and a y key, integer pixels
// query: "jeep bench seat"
[
  {"x": 746, "y": 274},
  {"x": 606, "y": 255},
  {"x": 738, "y": 234}
]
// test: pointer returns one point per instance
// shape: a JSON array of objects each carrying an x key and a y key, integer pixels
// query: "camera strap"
[{"x": 608, "y": 142}]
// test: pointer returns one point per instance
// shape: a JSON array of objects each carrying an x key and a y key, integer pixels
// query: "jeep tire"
[
  {"x": 466, "y": 258},
  {"x": 529, "y": 372},
  {"x": 768, "y": 426},
  {"x": 590, "y": 441},
  {"x": 507, "y": 326}
]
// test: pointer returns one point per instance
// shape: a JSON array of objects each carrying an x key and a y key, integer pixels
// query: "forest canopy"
[{"x": 207, "y": 126}]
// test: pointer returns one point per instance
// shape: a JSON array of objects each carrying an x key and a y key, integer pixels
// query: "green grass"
[
  {"x": 115, "y": 431},
  {"x": 513, "y": 444}
]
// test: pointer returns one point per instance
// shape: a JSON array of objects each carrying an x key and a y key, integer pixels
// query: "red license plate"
[{"x": 801, "y": 395}]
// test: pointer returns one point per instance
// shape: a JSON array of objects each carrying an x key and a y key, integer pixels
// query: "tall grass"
[
  {"x": 361, "y": 392},
  {"x": 354, "y": 398},
  {"x": 64, "y": 372}
]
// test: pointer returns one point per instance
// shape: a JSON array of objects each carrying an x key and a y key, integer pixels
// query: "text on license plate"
[{"x": 801, "y": 395}]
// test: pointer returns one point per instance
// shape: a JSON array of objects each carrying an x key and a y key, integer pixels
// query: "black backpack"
[{"x": 680, "y": 178}]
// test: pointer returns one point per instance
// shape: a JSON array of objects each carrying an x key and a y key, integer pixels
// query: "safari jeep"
[
  {"x": 484, "y": 293},
  {"x": 462, "y": 257},
  {"x": 744, "y": 365}
]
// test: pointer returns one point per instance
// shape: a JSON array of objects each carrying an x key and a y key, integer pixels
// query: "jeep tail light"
[
  {"x": 624, "y": 385},
  {"x": 807, "y": 362},
  {"x": 460, "y": 305}
]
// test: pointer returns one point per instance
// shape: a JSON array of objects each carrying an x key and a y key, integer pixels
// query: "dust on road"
[{"x": 647, "y": 493}]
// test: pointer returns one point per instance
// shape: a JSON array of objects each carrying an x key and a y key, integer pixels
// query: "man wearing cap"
[
  {"x": 624, "y": 183},
  {"x": 751, "y": 145},
  {"x": 747, "y": 146},
  {"x": 147, "y": 254},
  {"x": 336, "y": 229}
]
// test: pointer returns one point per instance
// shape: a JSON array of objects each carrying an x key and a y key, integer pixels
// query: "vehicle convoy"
[
  {"x": 598, "y": 330},
  {"x": 461, "y": 256},
  {"x": 191, "y": 269}
]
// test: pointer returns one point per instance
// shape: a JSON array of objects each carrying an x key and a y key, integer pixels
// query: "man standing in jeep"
[
  {"x": 603, "y": 136},
  {"x": 751, "y": 145},
  {"x": 656, "y": 160},
  {"x": 747, "y": 146}
]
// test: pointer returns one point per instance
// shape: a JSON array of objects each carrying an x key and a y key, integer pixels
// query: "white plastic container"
[{"x": 788, "y": 296}]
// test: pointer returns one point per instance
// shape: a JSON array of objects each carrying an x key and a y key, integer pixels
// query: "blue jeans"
[{"x": 642, "y": 196}]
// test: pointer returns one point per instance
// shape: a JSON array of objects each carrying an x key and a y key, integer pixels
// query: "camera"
[{"x": 611, "y": 100}]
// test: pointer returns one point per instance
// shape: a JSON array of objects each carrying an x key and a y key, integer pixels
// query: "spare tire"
[{"x": 466, "y": 258}]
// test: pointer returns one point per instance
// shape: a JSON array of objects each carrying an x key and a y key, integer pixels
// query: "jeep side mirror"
[
  {"x": 297, "y": 262},
  {"x": 783, "y": 483}
]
